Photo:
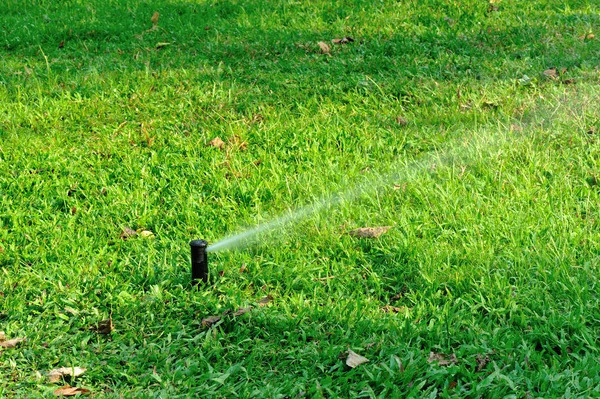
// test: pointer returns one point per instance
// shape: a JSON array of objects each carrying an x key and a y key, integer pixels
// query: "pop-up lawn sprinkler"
[{"x": 199, "y": 261}]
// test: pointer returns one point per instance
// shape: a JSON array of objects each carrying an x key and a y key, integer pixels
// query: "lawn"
[{"x": 472, "y": 129}]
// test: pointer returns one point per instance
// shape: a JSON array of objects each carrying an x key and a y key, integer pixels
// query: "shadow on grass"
[{"x": 274, "y": 45}]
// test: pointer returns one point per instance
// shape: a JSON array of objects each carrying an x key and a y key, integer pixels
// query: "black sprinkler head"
[{"x": 199, "y": 261}]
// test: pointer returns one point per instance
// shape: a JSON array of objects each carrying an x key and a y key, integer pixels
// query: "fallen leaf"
[
  {"x": 160, "y": 45},
  {"x": 354, "y": 359},
  {"x": 265, "y": 300},
  {"x": 392, "y": 309},
  {"x": 217, "y": 143},
  {"x": 516, "y": 128},
  {"x": 401, "y": 121},
  {"x": 72, "y": 311},
  {"x": 128, "y": 232},
  {"x": 68, "y": 390},
  {"x": 155, "y": 17},
  {"x": 2, "y": 336},
  {"x": 369, "y": 232},
  {"x": 343, "y": 40},
  {"x": 57, "y": 374},
  {"x": 210, "y": 321},
  {"x": 449, "y": 21},
  {"x": 11, "y": 343},
  {"x": 242, "y": 311},
  {"x": 325, "y": 49},
  {"x": 441, "y": 359},
  {"x": 243, "y": 268},
  {"x": 103, "y": 327},
  {"x": 551, "y": 73},
  {"x": 482, "y": 361}
]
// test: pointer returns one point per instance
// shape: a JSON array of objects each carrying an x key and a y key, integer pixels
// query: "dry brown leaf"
[
  {"x": 72, "y": 311},
  {"x": 343, "y": 40},
  {"x": 243, "y": 268},
  {"x": 516, "y": 128},
  {"x": 128, "y": 232},
  {"x": 482, "y": 361},
  {"x": 393, "y": 309},
  {"x": 369, "y": 232},
  {"x": 401, "y": 121},
  {"x": 441, "y": 359},
  {"x": 68, "y": 390},
  {"x": 11, "y": 343},
  {"x": 325, "y": 49},
  {"x": 265, "y": 300},
  {"x": 155, "y": 17},
  {"x": 103, "y": 327},
  {"x": 217, "y": 143},
  {"x": 551, "y": 73},
  {"x": 242, "y": 311},
  {"x": 354, "y": 359},
  {"x": 210, "y": 321},
  {"x": 57, "y": 374}
]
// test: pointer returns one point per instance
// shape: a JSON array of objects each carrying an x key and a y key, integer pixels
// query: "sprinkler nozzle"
[{"x": 199, "y": 261}]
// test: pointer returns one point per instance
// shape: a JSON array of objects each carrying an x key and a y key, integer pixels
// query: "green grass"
[{"x": 494, "y": 250}]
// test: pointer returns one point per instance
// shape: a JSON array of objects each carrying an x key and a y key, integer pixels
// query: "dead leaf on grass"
[
  {"x": 354, "y": 359},
  {"x": 2, "y": 336},
  {"x": 516, "y": 128},
  {"x": 482, "y": 361},
  {"x": 103, "y": 327},
  {"x": 441, "y": 359},
  {"x": 393, "y": 309},
  {"x": 68, "y": 390},
  {"x": 343, "y": 40},
  {"x": 11, "y": 343},
  {"x": 551, "y": 73},
  {"x": 369, "y": 232},
  {"x": 210, "y": 321},
  {"x": 243, "y": 268},
  {"x": 401, "y": 121},
  {"x": 155, "y": 17},
  {"x": 325, "y": 49},
  {"x": 57, "y": 374},
  {"x": 128, "y": 232},
  {"x": 265, "y": 300},
  {"x": 217, "y": 143},
  {"x": 242, "y": 311}
]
